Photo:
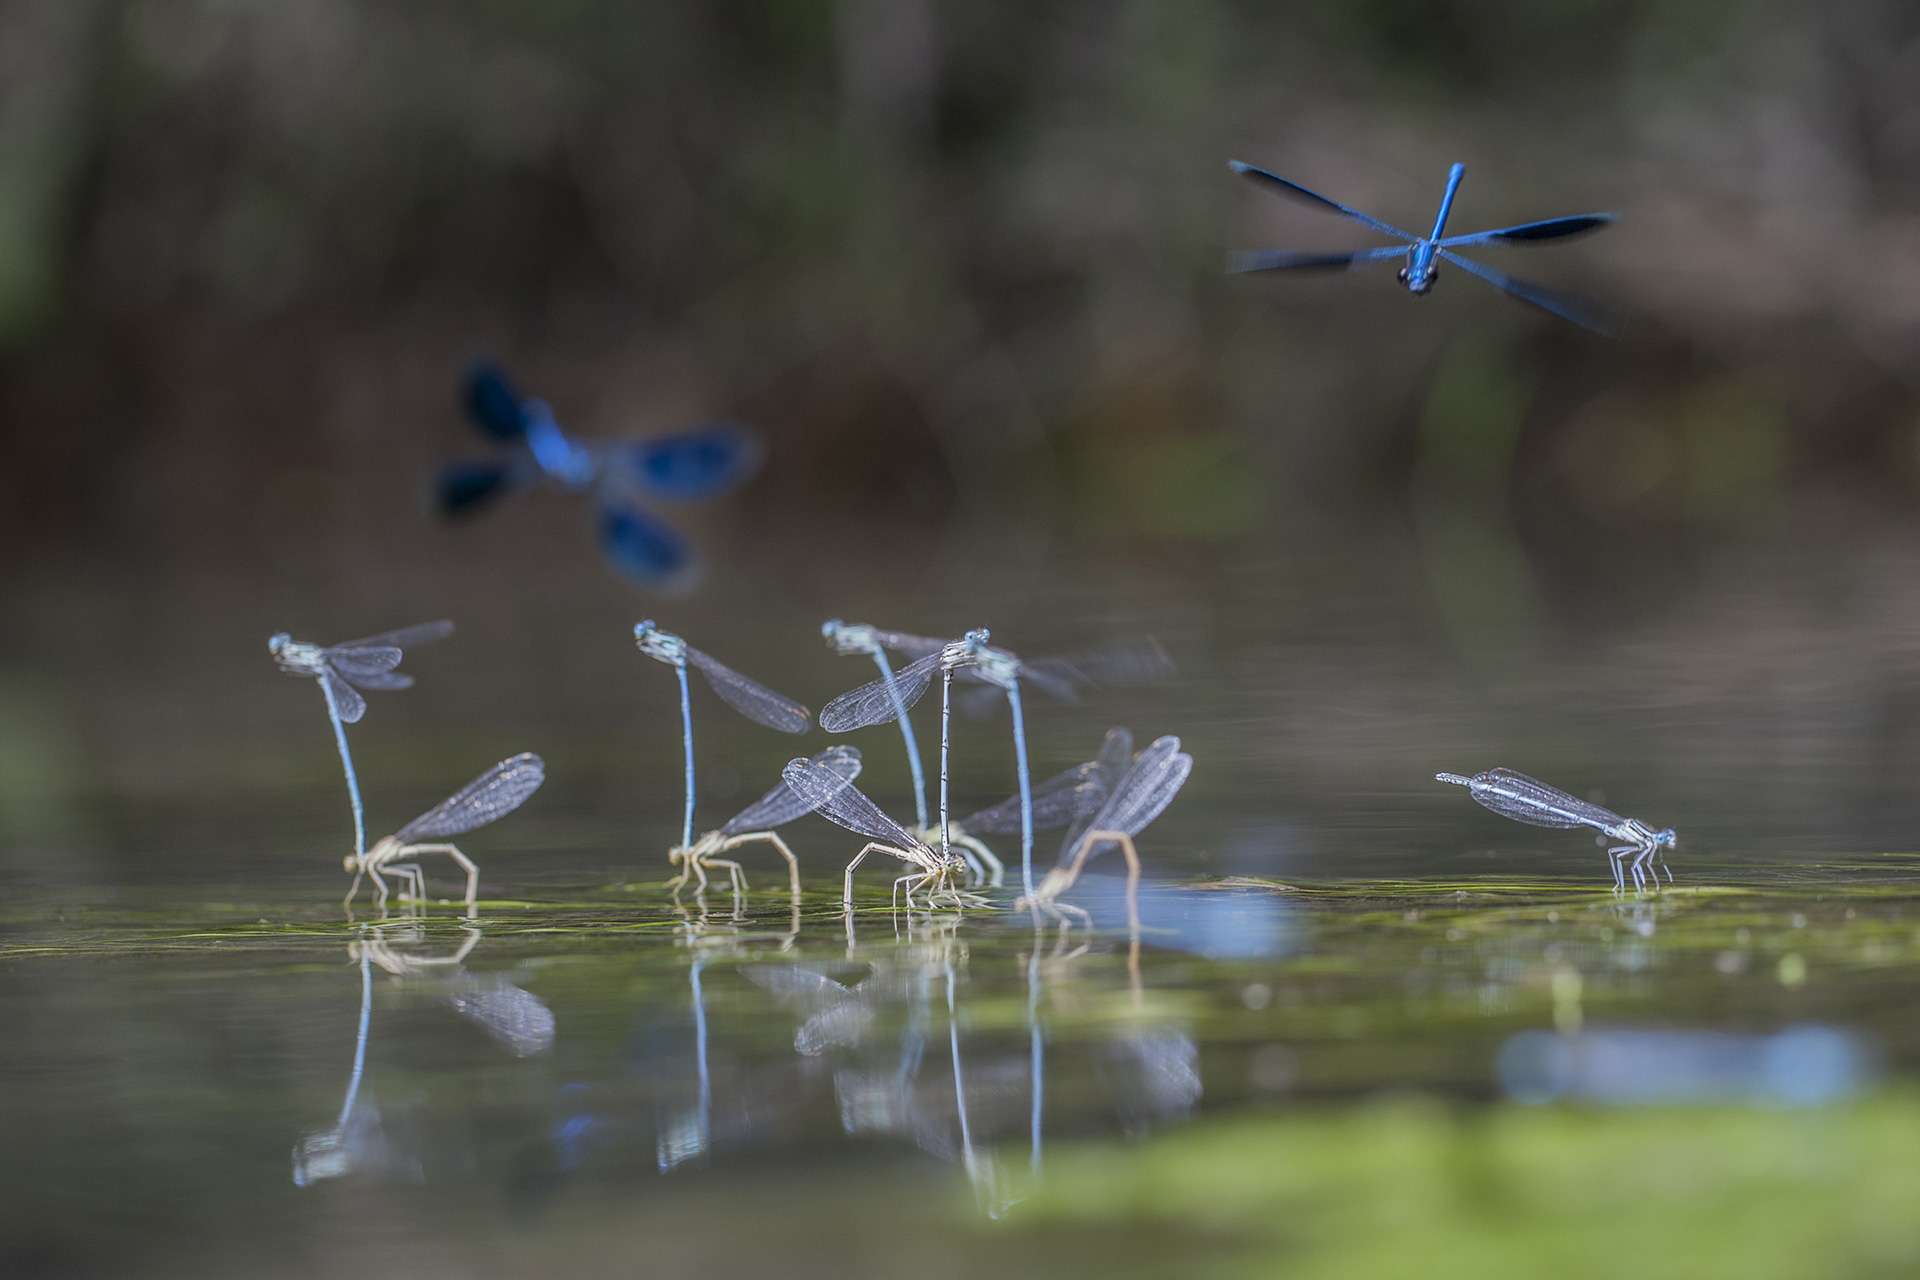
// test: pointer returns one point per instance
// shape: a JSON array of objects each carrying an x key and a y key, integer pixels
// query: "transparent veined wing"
[
  {"x": 1529, "y": 800},
  {"x": 355, "y": 662},
  {"x": 1127, "y": 663},
  {"x": 1147, "y": 789},
  {"x": 403, "y": 638},
  {"x": 838, "y": 1026},
  {"x": 874, "y": 702},
  {"x": 515, "y": 1017},
  {"x": 347, "y": 701},
  {"x": 913, "y": 646},
  {"x": 384, "y": 681},
  {"x": 1142, "y": 794},
  {"x": 842, "y": 803},
  {"x": 700, "y": 462},
  {"x": 1111, "y": 765},
  {"x": 1545, "y": 229},
  {"x": 492, "y": 795},
  {"x": 493, "y": 403},
  {"x": 1056, "y": 802},
  {"x": 1566, "y": 306},
  {"x": 782, "y": 804},
  {"x": 641, "y": 547},
  {"x": 749, "y": 697},
  {"x": 795, "y": 984},
  {"x": 1288, "y": 187}
]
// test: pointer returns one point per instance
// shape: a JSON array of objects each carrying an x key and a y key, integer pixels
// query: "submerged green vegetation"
[{"x": 1406, "y": 1187}]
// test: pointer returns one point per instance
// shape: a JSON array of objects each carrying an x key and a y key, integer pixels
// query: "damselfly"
[
  {"x": 755, "y": 825},
  {"x": 1515, "y": 795},
  {"x": 1067, "y": 799},
  {"x": 342, "y": 671},
  {"x": 488, "y": 798},
  {"x": 1420, "y": 256},
  {"x": 750, "y": 698},
  {"x": 844, "y": 804},
  {"x": 699, "y": 462},
  {"x": 1140, "y": 795}
]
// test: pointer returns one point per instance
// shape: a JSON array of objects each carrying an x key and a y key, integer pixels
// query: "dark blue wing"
[
  {"x": 493, "y": 403},
  {"x": 1566, "y": 306},
  {"x": 1546, "y": 229},
  {"x": 640, "y": 546},
  {"x": 699, "y": 462},
  {"x": 462, "y": 488}
]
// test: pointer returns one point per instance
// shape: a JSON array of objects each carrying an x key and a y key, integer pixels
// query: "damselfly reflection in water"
[
  {"x": 1515, "y": 795},
  {"x": 514, "y": 1018},
  {"x": 700, "y": 462},
  {"x": 839, "y": 801},
  {"x": 755, "y": 825},
  {"x": 687, "y": 1133},
  {"x": 488, "y": 798},
  {"x": 342, "y": 670},
  {"x": 1421, "y": 255},
  {"x": 749, "y": 697}
]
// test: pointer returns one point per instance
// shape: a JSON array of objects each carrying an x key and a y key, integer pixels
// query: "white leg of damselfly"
[
  {"x": 779, "y": 847},
  {"x": 734, "y": 873},
  {"x": 1088, "y": 843},
  {"x": 872, "y": 846},
  {"x": 466, "y": 863},
  {"x": 1613, "y": 860},
  {"x": 415, "y": 881}
]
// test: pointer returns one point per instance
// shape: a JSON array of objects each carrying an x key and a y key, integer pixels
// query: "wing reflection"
[{"x": 359, "y": 1141}]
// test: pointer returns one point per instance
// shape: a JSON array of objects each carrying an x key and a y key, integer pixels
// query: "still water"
[{"x": 1367, "y": 1027}]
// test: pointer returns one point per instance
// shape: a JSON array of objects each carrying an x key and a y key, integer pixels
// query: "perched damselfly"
[
  {"x": 488, "y": 798},
  {"x": 1529, "y": 800}
]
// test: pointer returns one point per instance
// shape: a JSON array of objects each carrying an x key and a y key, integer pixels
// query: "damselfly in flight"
[
  {"x": 488, "y": 798},
  {"x": 343, "y": 670},
  {"x": 1515, "y": 795},
  {"x": 1420, "y": 256},
  {"x": 749, "y": 697},
  {"x": 699, "y": 462},
  {"x": 755, "y": 825}
]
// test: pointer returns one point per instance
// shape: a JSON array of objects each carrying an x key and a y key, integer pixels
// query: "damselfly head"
[
  {"x": 278, "y": 641},
  {"x": 663, "y": 646},
  {"x": 1417, "y": 281},
  {"x": 1664, "y": 838},
  {"x": 849, "y": 637},
  {"x": 351, "y": 862}
]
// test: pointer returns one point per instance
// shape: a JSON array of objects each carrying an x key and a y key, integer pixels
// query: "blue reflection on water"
[{"x": 1803, "y": 1065}]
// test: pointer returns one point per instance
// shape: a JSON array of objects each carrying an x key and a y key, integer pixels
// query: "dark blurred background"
[{"x": 961, "y": 264}]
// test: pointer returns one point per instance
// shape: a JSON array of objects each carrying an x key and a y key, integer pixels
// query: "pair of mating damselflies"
[
  {"x": 972, "y": 658},
  {"x": 342, "y": 672}
]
